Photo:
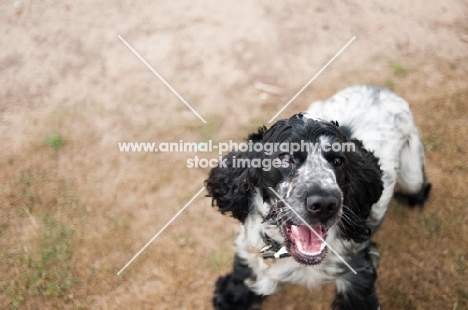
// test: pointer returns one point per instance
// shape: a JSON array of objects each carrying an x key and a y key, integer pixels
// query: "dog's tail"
[{"x": 412, "y": 185}]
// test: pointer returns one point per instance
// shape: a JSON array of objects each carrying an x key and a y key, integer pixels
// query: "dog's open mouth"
[{"x": 306, "y": 246}]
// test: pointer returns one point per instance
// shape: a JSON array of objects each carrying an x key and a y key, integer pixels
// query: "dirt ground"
[{"x": 74, "y": 209}]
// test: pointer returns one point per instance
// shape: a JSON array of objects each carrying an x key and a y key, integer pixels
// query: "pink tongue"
[{"x": 306, "y": 240}]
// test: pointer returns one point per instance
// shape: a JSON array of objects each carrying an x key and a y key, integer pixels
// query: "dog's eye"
[
  {"x": 338, "y": 162},
  {"x": 286, "y": 157}
]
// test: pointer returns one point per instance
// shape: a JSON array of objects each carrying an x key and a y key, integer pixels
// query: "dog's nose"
[{"x": 322, "y": 206}]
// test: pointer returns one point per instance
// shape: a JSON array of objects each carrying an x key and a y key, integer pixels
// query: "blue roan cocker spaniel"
[{"x": 309, "y": 215}]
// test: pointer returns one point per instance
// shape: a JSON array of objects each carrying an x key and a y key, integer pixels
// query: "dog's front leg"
[
  {"x": 231, "y": 293},
  {"x": 357, "y": 291}
]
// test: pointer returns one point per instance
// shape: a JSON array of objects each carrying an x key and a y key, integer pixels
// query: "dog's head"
[{"x": 312, "y": 178}]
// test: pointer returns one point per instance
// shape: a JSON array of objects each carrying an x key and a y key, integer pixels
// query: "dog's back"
[{"x": 383, "y": 122}]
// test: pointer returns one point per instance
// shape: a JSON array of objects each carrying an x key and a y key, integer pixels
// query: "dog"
[{"x": 297, "y": 206}]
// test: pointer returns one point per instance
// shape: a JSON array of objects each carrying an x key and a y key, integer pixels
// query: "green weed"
[
  {"x": 398, "y": 69},
  {"x": 54, "y": 141}
]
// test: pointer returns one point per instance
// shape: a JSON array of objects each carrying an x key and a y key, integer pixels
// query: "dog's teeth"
[
  {"x": 265, "y": 248},
  {"x": 323, "y": 246}
]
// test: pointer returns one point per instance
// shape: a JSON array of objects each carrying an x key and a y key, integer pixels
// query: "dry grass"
[{"x": 75, "y": 209}]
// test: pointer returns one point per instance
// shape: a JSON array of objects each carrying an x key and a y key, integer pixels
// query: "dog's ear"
[
  {"x": 232, "y": 184},
  {"x": 364, "y": 186}
]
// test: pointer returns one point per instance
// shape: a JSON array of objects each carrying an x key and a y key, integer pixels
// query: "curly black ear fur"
[
  {"x": 363, "y": 187},
  {"x": 232, "y": 187}
]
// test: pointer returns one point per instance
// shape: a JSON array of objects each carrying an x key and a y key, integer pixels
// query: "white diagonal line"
[
  {"x": 318, "y": 236},
  {"x": 312, "y": 79},
  {"x": 162, "y": 79},
  {"x": 161, "y": 230}
]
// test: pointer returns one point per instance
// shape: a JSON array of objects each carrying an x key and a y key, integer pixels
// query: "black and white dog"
[{"x": 324, "y": 199}]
